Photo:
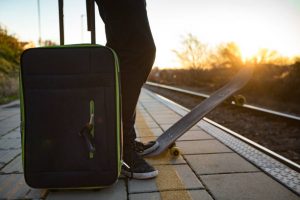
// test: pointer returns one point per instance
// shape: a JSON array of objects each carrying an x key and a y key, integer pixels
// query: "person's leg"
[{"x": 128, "y": 33}]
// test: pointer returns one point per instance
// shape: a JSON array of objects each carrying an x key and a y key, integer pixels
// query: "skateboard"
[{"x": 168, "y": 138}]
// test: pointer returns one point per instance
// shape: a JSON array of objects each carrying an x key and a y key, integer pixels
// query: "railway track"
[
  {"x": 279, "y": 132},
  {"x": 199, "y": 94}
]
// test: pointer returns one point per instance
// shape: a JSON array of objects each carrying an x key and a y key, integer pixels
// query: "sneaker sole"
[{"x": 150, "y": 150}]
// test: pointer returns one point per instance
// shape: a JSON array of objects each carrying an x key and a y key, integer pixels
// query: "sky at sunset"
[{"x": 252, "y": 24}]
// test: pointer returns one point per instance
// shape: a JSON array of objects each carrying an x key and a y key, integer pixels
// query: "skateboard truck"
[{"x": 85, "y": 132}]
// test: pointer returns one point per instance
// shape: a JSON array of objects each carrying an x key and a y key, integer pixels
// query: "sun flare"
[{"x": 248, "y": 53}]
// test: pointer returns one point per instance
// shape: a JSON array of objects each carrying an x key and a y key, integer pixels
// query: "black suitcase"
[{"x": 70, "y": 116}]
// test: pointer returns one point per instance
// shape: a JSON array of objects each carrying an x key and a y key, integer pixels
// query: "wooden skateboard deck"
[{"x": 196, "y": 114}]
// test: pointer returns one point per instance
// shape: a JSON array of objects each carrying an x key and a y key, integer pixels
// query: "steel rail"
[{"x": 198, "y": 94}]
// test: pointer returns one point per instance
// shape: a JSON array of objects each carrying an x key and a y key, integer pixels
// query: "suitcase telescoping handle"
[{"x": 90, "y": 13}]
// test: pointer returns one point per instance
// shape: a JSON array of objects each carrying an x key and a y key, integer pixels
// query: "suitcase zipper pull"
[
  {"x": 92, "y": 123},
  {"x": 87, "y": 132}
]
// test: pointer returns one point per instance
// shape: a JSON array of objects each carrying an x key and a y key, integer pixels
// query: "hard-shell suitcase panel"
[{"x": 57, "y": 105}]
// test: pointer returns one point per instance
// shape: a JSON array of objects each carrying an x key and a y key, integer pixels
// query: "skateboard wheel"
[
  {"x": 239, "y": 100},
  {"x": 175, "y": 151},
  {"x": 230, "y": 100}
]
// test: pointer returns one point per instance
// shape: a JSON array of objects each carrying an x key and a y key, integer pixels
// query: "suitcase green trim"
[
  {"x": 22, "y": 117},
  {"x": 118, "y": 108}
]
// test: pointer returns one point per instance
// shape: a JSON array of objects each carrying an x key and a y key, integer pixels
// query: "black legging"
[{"x": 128, "y": 33}]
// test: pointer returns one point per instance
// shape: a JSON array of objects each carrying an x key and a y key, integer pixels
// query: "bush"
[{"x": 10, "y": 52}]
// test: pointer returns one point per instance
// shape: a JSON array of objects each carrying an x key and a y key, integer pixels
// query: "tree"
[
  {"x": 229, "y": 55},
  {"x": 194, "y": 54},
  {"x": 266, "y": 56},
  {"x": 10, "y": 51}
]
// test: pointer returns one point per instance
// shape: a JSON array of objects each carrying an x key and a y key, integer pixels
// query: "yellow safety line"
[{"x": 168, "y": 177}]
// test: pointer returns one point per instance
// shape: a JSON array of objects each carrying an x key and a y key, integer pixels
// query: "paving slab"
[
  {"x": 15, "y": 119},
  {"x": 157, "y": 108},
  {"x": 4, "y": 129},
  {"x": 160, "y": 112},
  {"x": 202, "y": 147},
  {"x": 15, "y": 134},
  {"x": 241, "y": 186},
  {"x": 115, "y": 192},
  {"x": 195, "y": 135},
  {"x": 7, "y": 155},
  {"x": 200, "y": 195},
  {"x": 144, "y": 129},
  {"x": 14, "y": 166},
  {"x": 167, "y": 119},
  {"x": 11, "y": 119},
  {"x": 219, "y": 163},
  {"x": 167, "y": 126},
  {"x": 6, "y": 144},
  {"x": 170, "y": 114},
  {"x": 147, "y": 124},
  {"x": 7, "y": 113},
  {"x": 173, "y": 195},
  {"x": 145, "y": 196},
  {"x": 13, "y": 186},
  {"x": 148, "y": 132},
  {"x": 10, "y": 122},
  {"x": 35, "y": 194},
  {"x": 142, "y": 117},
  {"x": 171, "y": 177},
  {"x": 166, "y": 159}
]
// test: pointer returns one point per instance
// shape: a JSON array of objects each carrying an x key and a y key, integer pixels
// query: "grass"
[{"x": 7, "y": 99}]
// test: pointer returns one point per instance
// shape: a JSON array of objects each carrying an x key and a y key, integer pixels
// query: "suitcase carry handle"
[
  {"x": 90, "y": 13},
  {"x": 85, "y": 132}
]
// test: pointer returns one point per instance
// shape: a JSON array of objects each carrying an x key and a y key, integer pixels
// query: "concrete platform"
[{"x": 212, "y": 166}]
